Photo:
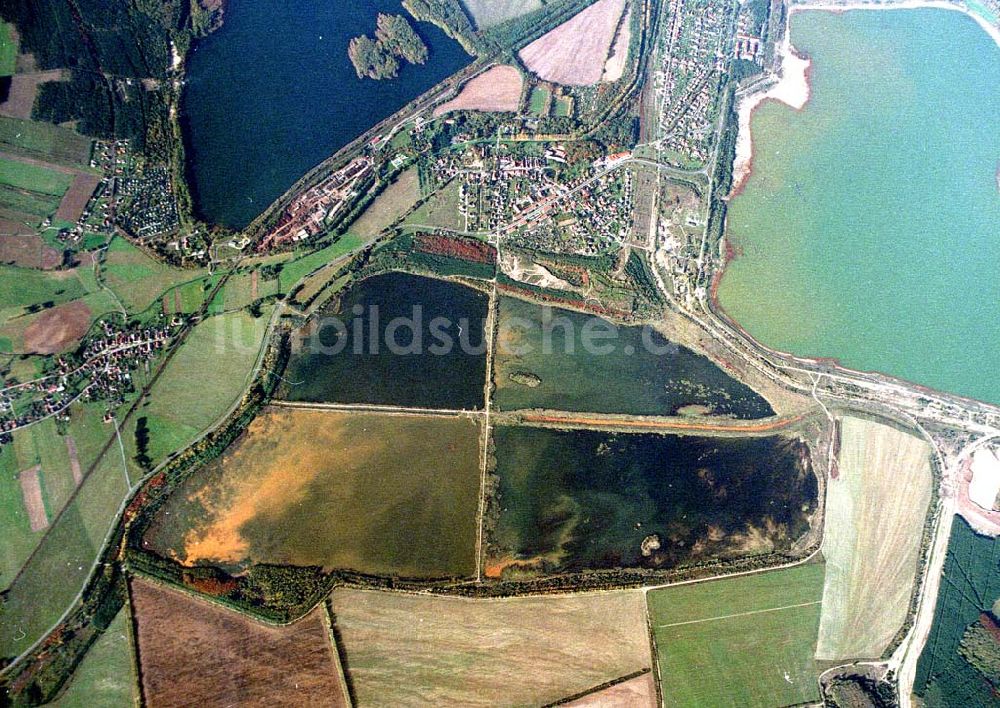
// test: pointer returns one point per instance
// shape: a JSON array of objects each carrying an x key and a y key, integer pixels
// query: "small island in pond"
[{"x": 394, "y": 39}]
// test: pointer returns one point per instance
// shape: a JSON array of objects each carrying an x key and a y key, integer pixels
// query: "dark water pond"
[
  {"x": 573, "y": 500},
  {"x": 394, "y": 339}
]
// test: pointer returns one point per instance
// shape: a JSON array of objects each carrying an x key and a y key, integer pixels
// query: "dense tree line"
[
  {"x": 394, "y": 39},
  {"x": 450, "y": 16}
]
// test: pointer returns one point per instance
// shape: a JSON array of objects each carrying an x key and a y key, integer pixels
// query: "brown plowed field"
[
  {"x": 193, "y": 653},
  {"x": 574, "y": 53},
  {"x": 56, "y": 329},
  {"x": 31, "y": 493},
  {"x": 639, "y": 692},
  {"x": 76, "y": 197},
  {"x": 496, "y": 89},
  {"x": 26, "y": 250}
]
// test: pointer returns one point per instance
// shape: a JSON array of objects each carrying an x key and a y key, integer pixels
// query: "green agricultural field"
[
  {"x": 137, "y": 279},
  {"x": 875, "y": 511},
  {"x": 293, "y": 271},
  {"x": 26, "y": 207},
  {"x": 59, "y": 567},
  {"x": 32, "y": 178},
  {"x": 538, "y": 102},
  {"x": 746, "y": 641},
  {"x": 8, "y": 49},
  {"x": 207, "y": 375},
  {"x": 391, "y": 495},
  {"x": 412, "y": 650},
  {"x": 18, "y": 538},
  {"x": 970, "y": 586},
  {"x": 20, "y": 287},
  {"x": 488, "y": 13},
  {"x": 106, "y": 676},
  {"x": 440, "y": 210},
  {"x": 397, "y": 199},
  {"x": 564, "y": 107},
  {"x": 44, "y": 141}
]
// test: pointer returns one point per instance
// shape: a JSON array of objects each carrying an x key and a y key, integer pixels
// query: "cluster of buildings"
[
  {"x": 313, "y": 210},
  {"x": 588, "y": 220},
  {"x": 688, "y": 80},
  {"x": 102, "y": 372},
  {"x": 144, "y": 203}
]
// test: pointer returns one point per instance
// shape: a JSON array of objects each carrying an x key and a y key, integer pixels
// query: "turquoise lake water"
[
  {"x": 870, "y": 228},
  {"x": 272, "y": 93}
]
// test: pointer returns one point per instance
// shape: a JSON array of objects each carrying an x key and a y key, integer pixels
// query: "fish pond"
[
  {"x": 582, "y": 499},
  {"x": 394, "y": 339},
  {"x": 391, "y": 495},
  {"x": 563, "y": 360}
]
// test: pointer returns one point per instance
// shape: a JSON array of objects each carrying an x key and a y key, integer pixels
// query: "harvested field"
[
  {"x": 407, "y": 650},
  {"x": 397, "y": 199},
  {"x": 57, "y": 329},
  {"x": 23, "y": 89},
  {"x": 496, "y": 89},
  {"x": 76, "y": 197},
  {"x": 26, "y": 250},
  {"x": 195, "y": 653},
  {"x": 487, "y": 13},
  {"x": 634, "y": 693},
  {"x": 743, "y": 641},
  {"x": 875, "y": 513},
  {"x": 31, "y": 493},
  {"x": 394, "y": 495},
  {"x": 575, "y": 52},
  {"x": 614, "y": 67}
]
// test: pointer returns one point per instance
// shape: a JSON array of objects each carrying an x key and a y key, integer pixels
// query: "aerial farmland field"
[
  {"x": 746, "y": 641},
  {"x": 488, "y": 13},
  {"x": 194, "y": 653},
  {"x": 181, "y": 407},
  {"x": 875, "y": 514},
  {"x": 496, "y": 89},
  {"x": 137, "y": 278},
  {"x": 574, "y": 53},
  {"x": 403, "y": 649},
  {"x": 397, "y": 199},
  {"x": 106, "y": 677},
  {"x": 396, "y": 495}
]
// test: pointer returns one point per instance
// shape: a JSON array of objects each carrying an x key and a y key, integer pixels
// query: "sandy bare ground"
[
  {"x": 28, "y": 251},
  {"x": 985, "y": 483},
  {"x": 639, "y": 692},
  {"x": 791, "y": 89},
  {"x": 193, "y": 653},
  {"x": 23, "y": 89},
  {"x": 527, "y": 271},
  {"x": 496, "y": 89},
  {"x": 74, "y": 460},
  {"x": 875, "y": 513},
  {"x": 408, "y": 650},
  {"x": 31, "y": 493},
  {"x": 575, "y": 52},
  {"x": 986, "y": 522},
  {"x": 76, "y": 197},
  {"x": 56, "y": 329},
  {"x": 614, "y": 67}
]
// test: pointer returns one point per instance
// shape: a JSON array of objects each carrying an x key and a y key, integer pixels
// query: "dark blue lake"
[{"x": 272, "y": 93}]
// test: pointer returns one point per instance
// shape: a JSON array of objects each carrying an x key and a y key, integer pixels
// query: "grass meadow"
[
  {"x": 106, "y": 676},
  {"x": 746, "y": 641}
]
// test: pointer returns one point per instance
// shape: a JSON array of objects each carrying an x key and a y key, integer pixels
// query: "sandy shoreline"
[{"x": 792, "y": 87}]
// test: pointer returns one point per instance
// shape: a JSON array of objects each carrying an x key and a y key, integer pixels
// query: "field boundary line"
[{"x": 740, "y": 614}]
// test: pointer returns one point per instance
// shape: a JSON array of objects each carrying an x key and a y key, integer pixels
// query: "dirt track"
[{"x": 769, "y": 425}]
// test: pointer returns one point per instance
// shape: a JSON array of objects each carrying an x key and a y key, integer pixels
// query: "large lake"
[
  {"x": 272, "y": 93},
  {"x": 870, "y": 228}
]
